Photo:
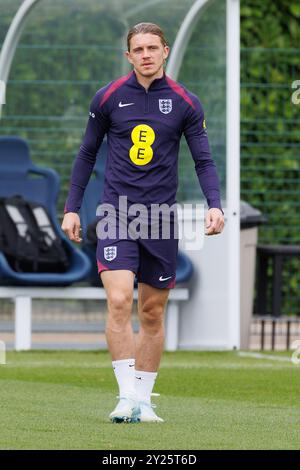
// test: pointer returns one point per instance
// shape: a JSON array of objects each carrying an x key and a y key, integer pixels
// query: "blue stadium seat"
[
  {"x": 92, "y": 197},
  {"x": 18, "y": 175}
]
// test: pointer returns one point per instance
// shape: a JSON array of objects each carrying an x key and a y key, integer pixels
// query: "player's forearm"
[
  {"x": 81, "y": 172},
  {"x": 209, "y": 181},
  {"x": 205, "y": 166}
]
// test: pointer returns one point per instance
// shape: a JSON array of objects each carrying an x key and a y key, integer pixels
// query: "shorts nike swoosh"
[{"x": 164, "y": 278}]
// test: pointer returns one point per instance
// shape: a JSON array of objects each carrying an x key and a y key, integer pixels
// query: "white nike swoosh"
[
  {"x": 164, "y": 278},
  {"x": 121, "y": 105}
]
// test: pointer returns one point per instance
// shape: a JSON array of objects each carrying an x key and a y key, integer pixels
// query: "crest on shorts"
[
  {"x": 165, "y": 106},
  {"x": 110, "y": 253}
]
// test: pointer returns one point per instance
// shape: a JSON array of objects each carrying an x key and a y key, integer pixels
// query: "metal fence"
[
  {"x": 49, "y": 109},
  {"x": 270, "y": 153}
]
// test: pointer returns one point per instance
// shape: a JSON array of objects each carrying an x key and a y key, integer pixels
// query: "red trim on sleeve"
[
  {"x": 114, "y": 86},
  {"x": 180, "y": 91}
]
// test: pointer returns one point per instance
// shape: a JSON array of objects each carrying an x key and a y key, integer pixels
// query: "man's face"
[{"x": 147, "y": 54}]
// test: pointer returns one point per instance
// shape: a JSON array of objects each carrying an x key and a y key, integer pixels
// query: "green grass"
[{"x": 209, "y": 400}]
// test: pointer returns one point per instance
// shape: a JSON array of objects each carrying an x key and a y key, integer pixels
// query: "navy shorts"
[{"x": 152, "y": 260}]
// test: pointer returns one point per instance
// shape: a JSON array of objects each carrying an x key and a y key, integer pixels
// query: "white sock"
[
  {"x": 124, "y": 372},
  {"x": 144, "y": 383}
]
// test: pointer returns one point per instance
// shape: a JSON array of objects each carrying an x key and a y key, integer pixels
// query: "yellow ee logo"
[
  {"x": 204, "y": 124},
  {"x": 142, "y": 137}
]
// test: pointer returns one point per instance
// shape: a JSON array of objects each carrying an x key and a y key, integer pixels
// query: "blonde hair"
[{"x": 145, "y": 28}]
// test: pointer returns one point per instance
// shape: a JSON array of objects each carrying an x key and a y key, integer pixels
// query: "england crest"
[
  {"x": 110, "y": 253},
  {"x": 165, "y": 106}
]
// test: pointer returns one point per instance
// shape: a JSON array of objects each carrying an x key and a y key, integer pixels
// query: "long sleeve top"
[{"x": 143, "y": 129}]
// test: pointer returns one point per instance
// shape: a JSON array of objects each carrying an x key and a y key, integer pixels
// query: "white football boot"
[
  {"x": 147, "y": 414},
  {"x": 127, "y": 410}
]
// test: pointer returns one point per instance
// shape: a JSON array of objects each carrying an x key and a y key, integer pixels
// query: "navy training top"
[{"x": 143, "y": 130}]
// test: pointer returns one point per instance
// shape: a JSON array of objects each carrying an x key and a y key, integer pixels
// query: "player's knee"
[
  {"x": 119, "y": 305},
  {"x": 151, "y": 316}
]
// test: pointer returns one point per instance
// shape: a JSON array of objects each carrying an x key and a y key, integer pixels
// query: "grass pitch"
[{"x": 215, "y": 400}]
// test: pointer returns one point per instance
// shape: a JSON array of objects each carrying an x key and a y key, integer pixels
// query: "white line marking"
[{"x": 264, "y": 356}]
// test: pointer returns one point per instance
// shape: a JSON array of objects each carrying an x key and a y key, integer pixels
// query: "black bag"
[{"x": 28, "y": 237}]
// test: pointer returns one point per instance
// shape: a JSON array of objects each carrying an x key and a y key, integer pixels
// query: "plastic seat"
[
  {"x": 18, "y": 175},
  {"x": 92, "y": 198}
]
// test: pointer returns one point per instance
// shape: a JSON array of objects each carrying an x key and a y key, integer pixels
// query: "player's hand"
[
  {"x": 71, "y": 226},
  {"x": 214, "y": 221}
]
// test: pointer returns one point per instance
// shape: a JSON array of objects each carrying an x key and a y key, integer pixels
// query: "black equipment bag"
[{"x": 28, "y": 237}]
